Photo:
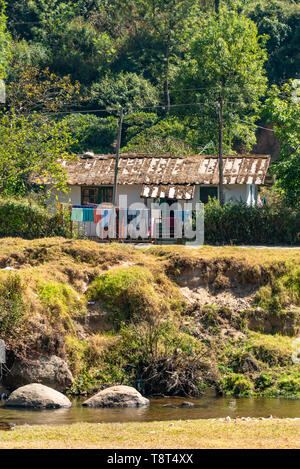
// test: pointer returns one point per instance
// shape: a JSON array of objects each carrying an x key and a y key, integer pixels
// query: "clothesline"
[{"x": 125, "y": 223}]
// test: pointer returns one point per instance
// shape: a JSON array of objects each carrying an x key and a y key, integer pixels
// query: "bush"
[
  {"x": 178, "y": 366},
  {"x": 235, "y": 384},
  {"x": 61, "y": 302},
  {"x": 275, "y": 350},
  {"x": 11, "y": 304},
  {"x": 19, "y": 218},
  {"x": 238, "y": 223},
  {"x": 136, "y": 293}
]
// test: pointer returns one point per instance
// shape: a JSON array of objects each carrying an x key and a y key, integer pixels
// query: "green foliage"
[
  {"x": 90, "y": 132},
  {"x": 12, "y": 307},
  {"x": 282, "y": 108},
  {"x": 40, "y": 91},
  {"x": 279, "y": 383},
  {"x": 62, "y": 303},
  {"x": 29, "y": 144},
  {"x": 280, "y": 21},
  {"x": 135, "y": 293},
  {"x": 174, "y": 367},
  {"x": 169, "y": 136},
  {"x": 236, "y": 384},
  {"x": 281, "y": 292},
  {"x": 226, "y": 59},
  {"x": 81, "y": 51},
  {"x": 19, "y": 218},
  {"x": 238, "y": 223},
  {"x": 127, "y": 90},
  {"x": 275, "y": 350},
  {"x": 4, "y": 42}
]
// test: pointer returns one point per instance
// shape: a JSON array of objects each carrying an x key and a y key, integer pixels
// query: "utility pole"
[
  {"x": 117, "y": 157},
  {"x": 221, "y": 192},
  {"x": 217, "y": 7}
]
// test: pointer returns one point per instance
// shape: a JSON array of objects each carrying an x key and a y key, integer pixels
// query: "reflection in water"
[{"x": 160, "y": 409}]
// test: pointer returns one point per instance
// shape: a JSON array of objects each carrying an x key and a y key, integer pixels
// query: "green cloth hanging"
[
  {"x": 88, "y": 214},
  {"x": 77, "y": 214}
]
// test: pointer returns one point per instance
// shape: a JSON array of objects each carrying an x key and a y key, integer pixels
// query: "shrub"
[
  {"x": 61, "y": 302},
  {"x": 235, "y": 384},
  {"x": 238, "y": 223},
  {"x": 12, "y": 306},
  {"x": 275, "y": 350},
  {"x": 178, "y": 365},
  {"x": 136, "y": 293},
  {"x": 19, "y": 218}
]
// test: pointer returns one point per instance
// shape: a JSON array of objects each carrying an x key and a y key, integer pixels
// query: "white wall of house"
[{"x": 236, "y": 192}]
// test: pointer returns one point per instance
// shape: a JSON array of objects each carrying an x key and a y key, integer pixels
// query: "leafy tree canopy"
[
  {"x": 282, "y": 108},
  {"x": 29, "y": 144},
  {"x": 226, "y": 60},
  {"x": 4, "y": 42},
  {"x": 128, "y": 90}
]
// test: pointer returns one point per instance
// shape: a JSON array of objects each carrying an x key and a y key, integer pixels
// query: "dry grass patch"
[{"x": 272, "y": 433}]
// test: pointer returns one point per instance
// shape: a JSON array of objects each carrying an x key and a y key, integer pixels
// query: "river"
[{"x": 159, "y": 409}]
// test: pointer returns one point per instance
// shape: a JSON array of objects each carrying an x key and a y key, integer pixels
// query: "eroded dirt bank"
[{"x": 77, "y": 316}]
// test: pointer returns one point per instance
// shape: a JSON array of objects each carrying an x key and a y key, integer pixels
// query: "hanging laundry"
[
  {"x": 88, "y": 214},
  {"x": 97, "y": 215},
  {"x": 77, "y": 214},
  {"x": 105, "y": 217}
]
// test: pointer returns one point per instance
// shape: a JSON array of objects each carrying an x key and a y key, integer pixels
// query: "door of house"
[{"x": 207, "y": 192}]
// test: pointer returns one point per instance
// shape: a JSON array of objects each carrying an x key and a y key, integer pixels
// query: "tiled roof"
[
  {"x": 169, "y": 191},
  {"x": 166, "y": 169}
]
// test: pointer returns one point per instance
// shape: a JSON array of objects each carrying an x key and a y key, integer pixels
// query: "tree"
[
  {"x": 36, "y": 90},
  {"x": 225, "y": 61},
  {"x": 280, "y": 21},
  {"x": 29, "y": 145},
  {"x": 282, "y": 109},
  {"x": 91, "y": 132},
  {"x": 169, "y": 135},
  {"x": 4, "y": 42},
  {"x": 81, "y": 51},
  {"x": 126, "y": 89},
  {"x": 174, "y": 22}
]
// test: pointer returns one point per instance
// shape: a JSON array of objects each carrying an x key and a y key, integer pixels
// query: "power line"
[
  {"x": 54, "y": 113},
  {"x": 256, "y": 125},
  {"x": 111, "y": 109}
]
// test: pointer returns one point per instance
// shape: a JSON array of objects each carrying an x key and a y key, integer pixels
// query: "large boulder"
[
  {"x": 37, "y": 396},
  {"x": 50, "y": 371},
  {"x": 117, "y": 396}
]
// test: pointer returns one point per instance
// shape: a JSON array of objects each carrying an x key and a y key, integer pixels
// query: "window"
[
  {"x": 96, "y": 195},
  {"x": 206, "y": 192}
]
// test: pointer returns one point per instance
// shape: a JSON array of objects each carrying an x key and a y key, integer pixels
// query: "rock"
[
  {"x": 117, "y": 396},
  {"x": 50, "y": 371},
  {"x": 187, "y": 404},
  {"x": 6, "y": 426},
  {"x": 37, "y": 396},
  {"x": 249, "y": 364}
]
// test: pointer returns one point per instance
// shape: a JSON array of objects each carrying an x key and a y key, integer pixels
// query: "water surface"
[{"x": 159, "y": 409}]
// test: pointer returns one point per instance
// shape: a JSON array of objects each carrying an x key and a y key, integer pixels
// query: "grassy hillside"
[{"x": 168, "y": 320}]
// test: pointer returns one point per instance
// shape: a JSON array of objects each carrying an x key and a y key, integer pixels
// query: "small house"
[{"x": 145, "y": 178}]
